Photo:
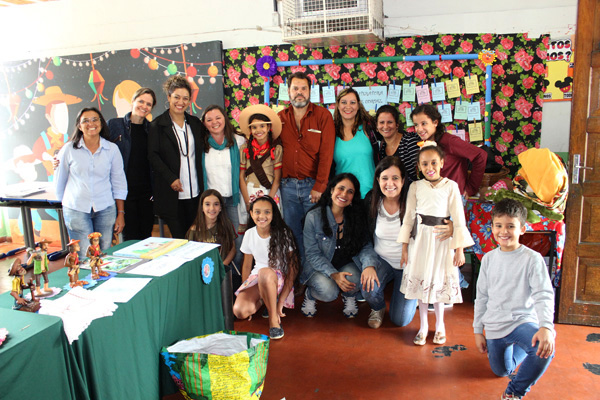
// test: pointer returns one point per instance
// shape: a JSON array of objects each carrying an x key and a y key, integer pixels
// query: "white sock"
[
  {"x": 439, "y": 317},
  {"x": 423, "y": 315}
]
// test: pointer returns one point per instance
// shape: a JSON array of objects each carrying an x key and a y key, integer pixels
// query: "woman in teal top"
[{"x": 355, "y": 140}]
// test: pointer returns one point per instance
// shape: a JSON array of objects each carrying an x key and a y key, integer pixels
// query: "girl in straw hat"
[{"x": 261, "y": 156}]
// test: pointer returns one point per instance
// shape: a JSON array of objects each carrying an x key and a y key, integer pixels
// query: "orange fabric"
[{"x": 544, "y": 172}]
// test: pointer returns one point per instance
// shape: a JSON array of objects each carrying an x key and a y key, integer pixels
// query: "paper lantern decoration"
[
  {"x": 49, "y": 74},
  {"x": 14, "y": 101},
  {"x": 172, "y": 68},
  {"x": 213, "y": 70},
  {"x": 191, "y": 71},
  {"x": 195, "y": 91},
  {"x": 28, "y": 93},
  {"x": 96, "y": 82},
  {"x": 153, "y": 64},
  {"x": 146, "y": 59},
  {"x": 135, "y": 53},
  {"x": 57, "y": 61},
  {"x": 40, "y": 87}
]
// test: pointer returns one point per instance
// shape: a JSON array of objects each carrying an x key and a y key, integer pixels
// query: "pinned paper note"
[
  {"x": 328, "y": 94},
  {"x": 438, "y": 93},
  {"x": 460, "y": 133},
  {"x": 473, "y": 111},
  {"x": 461, "y": 110},
  {"x": 445, "y": 112},
  {"x": 423, "y": 95},
  {"x": 453, "y": 88},
  {"x": 394, "y": 94},
  {"x": 315, "y": 94},
  {"x": 283, "y": 92},
  {"x": 408, "y": 92},
  {"x": 472, "y": 84},
  {"x": 372, "y": 97},
  {"x": 409, "y": 121},
  {"x": 475, "y": 132}
]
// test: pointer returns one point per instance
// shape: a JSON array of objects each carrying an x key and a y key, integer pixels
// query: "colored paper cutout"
[
  {"x": 445, "y": 112},
  {"x": 472, "y": 84},
  {"x": 453, "y": 88},
  {"x": 328, "y": 94},
  {"x": 423, "y": 95},
  {"x": 461, "y": 110},
  {"x": 475, "y": 132},
  {"x": 438, "y": 92},
  {"x": 473, "y": 111},
  {"x": 408, "y": 92},
  {"x": 315, "y": 94},
  {"x": 283, "y": 92},
  {"x": 394, "y": 92}
]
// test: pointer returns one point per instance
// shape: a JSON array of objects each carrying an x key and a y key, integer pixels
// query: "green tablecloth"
[{"x": 117, "y": 357}]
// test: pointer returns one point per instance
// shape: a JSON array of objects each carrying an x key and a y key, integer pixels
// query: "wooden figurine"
[
  {"x": 41, "y": 266},
  {"x": 94, "y": 253},
  {"x": 18, "y": 285},
  {"x": 72, "y": 263}
]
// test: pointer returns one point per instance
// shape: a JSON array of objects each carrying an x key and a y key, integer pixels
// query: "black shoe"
[
  {"x": 265, "y": 313},
  {"x": 276, "y": 333}
]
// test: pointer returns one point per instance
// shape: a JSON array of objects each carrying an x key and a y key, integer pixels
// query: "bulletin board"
[{"x": 517, "y": 78}]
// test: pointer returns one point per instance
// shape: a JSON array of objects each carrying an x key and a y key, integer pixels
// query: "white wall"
[{"x": 67, "y": 27}]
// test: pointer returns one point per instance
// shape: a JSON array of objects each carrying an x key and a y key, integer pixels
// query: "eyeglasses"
[{"x": 88, "y": 120}]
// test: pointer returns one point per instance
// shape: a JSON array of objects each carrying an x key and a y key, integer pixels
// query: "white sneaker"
[
  {"x": 350, "y": 306},
  {"x": 376, "y": 318},
  {"x": 309, "y": 307}
]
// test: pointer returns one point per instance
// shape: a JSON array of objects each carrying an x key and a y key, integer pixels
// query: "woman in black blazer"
[{"x": 175, "y": 146}]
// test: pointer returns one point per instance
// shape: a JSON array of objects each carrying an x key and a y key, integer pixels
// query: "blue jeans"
[
  {"x": 507, "y": 353},
  {"x": 402, "y": 310},
  {"x": 295, "y": 198},
  {"x": 232, "y": 213},
  {"x": 323, "y": 288},
  {"x": 81, "y": 224}
]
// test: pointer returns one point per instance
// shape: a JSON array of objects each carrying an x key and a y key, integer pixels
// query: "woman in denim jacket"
[{"x": 339, "y": 251}]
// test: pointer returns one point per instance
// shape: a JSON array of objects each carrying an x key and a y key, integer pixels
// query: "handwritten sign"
[
  {"x": 328, "y": 94},
  {"x": 472, "y": 84},
  {"x": 453, "y": 88},
  {"x": 408, "y": 92},
  {"x": 445, "y": 112},
  {"x": 438, "y": 93},
  {"x": 394, "y": 94},
  {"x": 423, "y": 95},
  {"x": 475, "y": 132},
  {"x": 372, "y": 97},
  {"x": 461, "y": 110},
  {"x": 283, "y": 92}
]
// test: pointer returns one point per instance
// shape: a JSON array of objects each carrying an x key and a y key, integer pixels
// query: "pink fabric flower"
[
  {"x": 458, "y": 72},
  {"x": 239, "y": 95},
  {"x": 537, "y": 115},
  {"x": 539, "y": 69},
  {"x": 246, "y": 70},
  {"x": 498, "y": 116},
  {"x": 486, "y": 38},
  {"x": 507, "y": 91},
  {"x": 466, "y": 46},
  {"x": 408, "y": 42},
  {"x": 498, "y": 69},
  {"x": 234, "y": 54},
  {"x": 527, "y": 129},
  {"x": 371, "y": 46},
  {"x": 499, "y": 160},
  {"x": 266, "y": 51},
  {"x": 541, "y": 53},
  {"x": 500, "y": 147},
  {"x": 507, "y": 43},
  {"x": 385, "y": 64},
  {"x": 250, "y": 59},
  {"x": 297, "y": 68},
  {"x": 427, "y": 48},
  {"x": 334, "y": 49},
  {"x": 246, "y": 83},
  {"x": 299, "y": 49},
  {"x": 352, "y": 53},
  {"x": 447, "y": 40},
  {"x": 235, "y": 114},
  {"x": 420, "y": 74},
  {"x": 382, "y": 76},
  {"x": 283, "y": 56},
  {"x": 501, "y": 56},
  {"x": 233, "y": 75},
  {"x": 333, "y": 70},
  {"x": 346, "y": 78},
  {"x": 524, "y": 107},
  {"x": 277, "y": 80},
  {"x": 406, "y": 67},
  {"x": 317, "y": 55},
  {"x": 389, "y": 51},
  {"x": 507, "y": 137},
  {"x": 520, "y": 148},
  {"x": 444, "y": 66},
  {"x": 523, "y": 59},
  {"x": 501, "y": 102},
  {"x": 369, "y": 69}
]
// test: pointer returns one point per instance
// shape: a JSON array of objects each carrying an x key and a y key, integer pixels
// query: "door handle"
[{"x": 577, "y": 167}]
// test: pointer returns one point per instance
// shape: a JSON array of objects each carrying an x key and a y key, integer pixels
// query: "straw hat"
[
  {"x": 259, "y": 109},
  {"x": 73, "y": 241},
  {"x": 14, "y": 267},
  {"x": 94, "y": 235},
  {"x": 55, "y": 94}
]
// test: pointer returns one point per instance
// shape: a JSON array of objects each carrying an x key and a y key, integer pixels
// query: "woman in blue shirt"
[
  {"x": 90, "y": 181},
  {"x": 355, "y": 139}
]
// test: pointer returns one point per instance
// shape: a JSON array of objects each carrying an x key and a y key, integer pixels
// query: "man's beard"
[{"x": 299, "y": 104}]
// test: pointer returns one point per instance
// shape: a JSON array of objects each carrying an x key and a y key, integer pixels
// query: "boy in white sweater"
[{"x": 515, "y": 304}]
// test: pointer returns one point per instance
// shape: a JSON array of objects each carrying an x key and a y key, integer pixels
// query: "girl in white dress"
[{"x": 431, "y": 273}]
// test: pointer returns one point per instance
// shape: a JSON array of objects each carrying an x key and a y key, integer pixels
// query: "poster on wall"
[
  {"x": 40, "y": 99},
  {"x": 559, "y": 75}
]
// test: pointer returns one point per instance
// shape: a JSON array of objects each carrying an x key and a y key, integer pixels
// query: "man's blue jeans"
[
  {"x": 402, "y": 310},
  {"x": 507, "y": 353},
  {"x": 295, "y": 197},
  {"x": 323, "y": 288},
  {"x": 81, "y": 224}
]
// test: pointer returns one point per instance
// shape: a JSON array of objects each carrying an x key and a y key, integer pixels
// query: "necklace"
[{"x": 185, "y": 138}]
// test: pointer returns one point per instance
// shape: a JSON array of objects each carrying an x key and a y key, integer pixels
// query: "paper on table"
[
  {"x": 192, "y": 250},
  {"x": 78, "y": 308},
  {"x": 159, "y": 266},
  {"x": 121, "y": 290}
]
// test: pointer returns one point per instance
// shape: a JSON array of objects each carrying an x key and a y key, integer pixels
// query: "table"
[
  {"x": 46, "y": 198},
  {"x": 479, "y": 221},
  {"x": 116, "y": 357}
]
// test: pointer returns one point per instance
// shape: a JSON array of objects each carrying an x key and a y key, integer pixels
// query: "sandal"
[
  {"x": 420, "y": 339},
  {"x": 439, "y": 338}
]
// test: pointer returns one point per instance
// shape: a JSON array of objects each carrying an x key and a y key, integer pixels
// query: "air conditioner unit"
[{"x": 315, "y": 23}]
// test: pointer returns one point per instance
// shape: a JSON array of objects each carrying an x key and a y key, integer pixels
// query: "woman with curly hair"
[
  {"x": 175, "y": 147},
  {"x": 339, "y": 251},
  {"x": 270, "y": 243},
  {"x": 355, "y": 140}
]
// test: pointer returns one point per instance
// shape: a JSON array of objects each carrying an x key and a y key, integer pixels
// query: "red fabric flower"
[
  {"x": 466, "y": 46},
  {"x": 507, "y": 137},
  {"x": 254, "y": 100},
  {"x": 539, "y": 101},
  {"x": 507, "y": 91},
  {"x": 333, "y": 70},
  {"x": 524, "y": 107},
  {"x": 501, "y": 56},
  {"x": 541, "y": 53},
  {"x": 234, "y": 54},
  {"x": 317, "y": 55},
  {"x": 352, "y": 53},
  {"x": 458, "y": 72},
  {"x": 277, "y": 80},
  {"x": 246, "y": 70},
  {"x": 385, "y": 64},
  {"x": 389, "y": 51},
  {"x": 313, "y": 67},
  {"x": 369, "y": 69},
  {"x": 528, "y": 129},
  {"x": 501, "y": 102},
  {"x": 299, "y": 49},
  {"x": 233, "y": 75},
  {"x": 283, "y": 56},
  {"x": 239, "y": 95},
  {"x": 371, "y": 46},
  {"x": 507, "y": 43},
  {"x": 334, "y": 49},
  {"x": 539, "y": 69},
  {"x": 498, "y": 116},
  {"x": 266, "y": 51},
  {"x": 528, "y": 82},
  {"x": 447, "y": 40},
  {"x": 427, "y": 48},
  {"x": 537, "y": 115},
  {"x": 382, "y": 76},
  {"x": 498, "y": 70},
  {"x": 406, "y": 67},
  {"x": 444, "y": 66},
  {"x": 235, "y": 114},
  {"x": 486, "y": 38},
  {"x": 346, "y": 77},
  {"x": 408, "y": 42},
  {"x": 499, "y": 160},
  {"x": 523, "y": 59},
  {"x": 500, "y": 147},
  {"x": 250, "y": 59},
  {"x": 520, "y": 148},
  {"x": 349, "y": 67},
  {"x": 420, "y": 74},
  {"x": 297, "y": 68},
  {"x": 245, "y": 83}
]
